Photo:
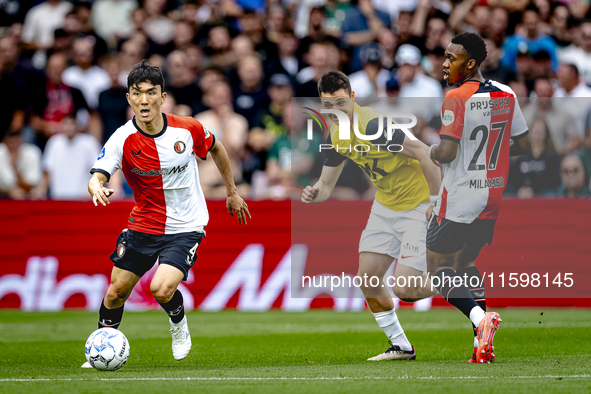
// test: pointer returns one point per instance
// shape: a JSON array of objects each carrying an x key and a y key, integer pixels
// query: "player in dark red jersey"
[
  {"x": 157, "y": 153},
  {"x": 481, "y": 119}
]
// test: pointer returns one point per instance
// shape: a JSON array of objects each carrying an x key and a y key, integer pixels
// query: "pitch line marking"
[{"x": 405, "y": 377}]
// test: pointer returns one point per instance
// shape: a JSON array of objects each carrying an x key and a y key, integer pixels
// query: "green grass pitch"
[{"x": 538, "y": 350}]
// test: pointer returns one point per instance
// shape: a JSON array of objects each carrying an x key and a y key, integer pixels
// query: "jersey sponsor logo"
[
  {"x": 490, "y": 104},
  {"x": 448, "y": 117},
  {"x": 120, "y": 250},
  {"x": 491, "y": 183},
  {"x": 179, "y": 147},
  {"x": 162, "y": 171},
  {"x": 102, "y": 154}
]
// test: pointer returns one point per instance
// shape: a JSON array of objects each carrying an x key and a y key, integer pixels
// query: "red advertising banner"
[{"x": 54, "y": 255}]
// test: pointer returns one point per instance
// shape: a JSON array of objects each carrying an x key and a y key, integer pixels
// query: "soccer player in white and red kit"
[
  {"x": 481, "y": 120},
  {"x": 157, "y": 153}
]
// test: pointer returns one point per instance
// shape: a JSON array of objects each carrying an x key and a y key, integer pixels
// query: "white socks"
[
  {"x": 475, "y": 341},
  {"x": 476, "y": 315},
  {"x": 388, "y": 321}
]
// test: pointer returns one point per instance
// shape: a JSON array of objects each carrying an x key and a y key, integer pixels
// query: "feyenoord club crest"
[
  {"x": 120, "y": 250},
  {"x": 179, "y": 147}
]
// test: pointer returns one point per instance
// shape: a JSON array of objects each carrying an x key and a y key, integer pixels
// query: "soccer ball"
[{"x": 107, "y": 349}]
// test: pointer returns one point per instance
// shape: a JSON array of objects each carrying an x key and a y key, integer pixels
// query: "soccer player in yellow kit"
[{"x": 405, "y": 178}]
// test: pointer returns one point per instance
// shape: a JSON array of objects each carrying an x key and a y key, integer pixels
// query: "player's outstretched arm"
[
  {"x": 416, "y": 149},
  {"x": 97, "y": 191},
  {"x": 325, "y": 185},
  {"x": 234, "y": 202}
]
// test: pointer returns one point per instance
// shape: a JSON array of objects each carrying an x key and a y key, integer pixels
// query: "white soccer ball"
[{"x": 107, "y": 349}]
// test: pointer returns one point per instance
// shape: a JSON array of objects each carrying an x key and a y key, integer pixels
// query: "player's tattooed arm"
[
  {"x": 325, "y": 185},
  {"x": 234, "y": 203},
  {"x": 445, "y": 151},
  {"x": 97, "y": 191}
]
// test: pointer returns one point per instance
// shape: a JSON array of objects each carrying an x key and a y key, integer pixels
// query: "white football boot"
[
  {"x": 86, "y": 365},
  {"x": 395, "y": 353},
  {"x": 181, "y": 339}
]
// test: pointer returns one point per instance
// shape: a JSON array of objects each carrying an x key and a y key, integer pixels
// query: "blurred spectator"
[
  {"x": 20, "y": 79},
  {"x": 561, "y": 125},
  {"x": 14, "y": 11},
  {"x": 580, "y": 55},
  {"x": 575, "y": 180},
  {"x": 389, "y": 42},
  {"x": 434, "y": 63},
  {"x": 112, "y": 103},
  {"x": 112, "y": 18},
  {"x": 371, "y": 80},
  {"x": 232, "y": 130},
  {"x": 277, "y": 180},
  {"x": 573, "y": 95},
  {"x": 529, "y": 37},
  {"x": 208, "y": 77},
  {"x": 158, "y": 27},
  {"x": 20, "y": 166},
  {"x": 559, "y": 24},
  {"x": 537, "y": 172},
  {"x": 250, "y": 95},
  {"x": 268, "y": 123},
  {"x": 499, "y": 23},
  {"x": 585, "y": 152},
  {"x": 219, "y": 47},
  {"x": 321, "y": 58},
  {"x": 42, "y": 20},
  {"x": 132, "y": 52},
  {"x": 66, "y": 160},
  {"x": 86, "y": 76},
  {"x": 184, "y": 35},
  {"x": 287, "y": 47},
  {"x": 252, "y": 26},
  {"x": 277, "y": 18},
  {"x": 181, "y": 81},
  {"x": 83, "y": 13},
  {"x": 362, "y": 24},
  {"x": 54, "y": 101},
  {"x": 413, "y": 83}
]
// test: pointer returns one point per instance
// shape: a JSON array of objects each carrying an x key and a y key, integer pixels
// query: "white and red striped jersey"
[
  {"x": 481, "y": 118},
  {"x": 161, "y": 170}
]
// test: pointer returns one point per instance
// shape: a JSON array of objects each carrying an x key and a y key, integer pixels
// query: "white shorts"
[{"x": 400, "y": 234}]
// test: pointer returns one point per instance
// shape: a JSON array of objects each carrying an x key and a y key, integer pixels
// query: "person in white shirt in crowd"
[
  {"x": 414, "y": 83},
  {"x": 20, "y": 166},
  {"x": 80, "y": 75},
  {"x": 41, "y": 21},
  {"x": 580, "y": 55},
  {"x": 574, "y": 96},
  {"x": 112, "y": 18},
  {"x": 371, "y": 80},
  {"x": 66, "y": 160}
]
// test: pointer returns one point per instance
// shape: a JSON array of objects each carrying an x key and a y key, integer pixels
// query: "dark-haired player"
[
  {"x": 157, "y": 153},
  {"x": 481, "y": 119},
  {"x": 396, "y": 228}
]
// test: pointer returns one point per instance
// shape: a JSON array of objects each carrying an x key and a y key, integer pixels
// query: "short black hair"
[
  {"x": 333, "y": 81},
  {"x": 143, "y": 72},
  {"x": 473, "y": 45}
]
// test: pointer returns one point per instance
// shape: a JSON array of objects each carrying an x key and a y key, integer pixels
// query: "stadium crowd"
[{"x": 236, "y": 64}]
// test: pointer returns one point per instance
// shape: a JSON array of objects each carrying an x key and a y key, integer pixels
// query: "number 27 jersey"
[{"x": 481, "y": 118}]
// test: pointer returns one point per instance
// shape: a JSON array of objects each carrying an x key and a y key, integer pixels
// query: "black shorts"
[
  {"x": 446, "y": 237},
  {"x": 137, "y": 252}
]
